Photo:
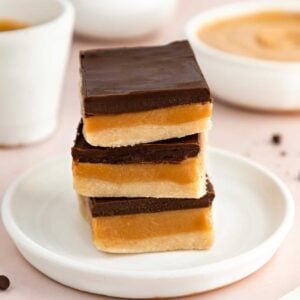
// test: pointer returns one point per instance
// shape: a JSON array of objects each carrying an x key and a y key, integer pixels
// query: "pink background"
[{"x": 243, "y": 132}]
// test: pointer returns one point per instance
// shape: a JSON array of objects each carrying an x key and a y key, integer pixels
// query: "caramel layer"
[
  {"x": 145, "y": 226},
  {"x": 183, "y": 173},
  {"x": 163, "y": 116}
]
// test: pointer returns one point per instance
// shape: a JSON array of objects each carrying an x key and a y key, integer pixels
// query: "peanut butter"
[{"x": 273, "y": 35}]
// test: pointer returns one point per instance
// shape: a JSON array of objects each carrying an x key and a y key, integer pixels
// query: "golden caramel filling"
[
  {"x": 163, "y": 116},
  {"x": 183, "y": 173},
  {"x": 143, "y": 226}
]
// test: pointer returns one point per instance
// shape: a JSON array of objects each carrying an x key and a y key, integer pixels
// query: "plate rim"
[{"x": 19, "y": 237}]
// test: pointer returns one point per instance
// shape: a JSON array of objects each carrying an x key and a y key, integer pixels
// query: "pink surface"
[{"x": 243, "y": 132}]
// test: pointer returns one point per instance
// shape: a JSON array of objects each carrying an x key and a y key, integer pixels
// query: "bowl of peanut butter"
[{"x": 250, "y": 53}]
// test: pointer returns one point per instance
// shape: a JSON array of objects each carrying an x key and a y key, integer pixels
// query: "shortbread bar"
[
  {"x": 141, "y": 95},
  {"x": 167, "y": 169},
  {"x": 135, "y": 225}
]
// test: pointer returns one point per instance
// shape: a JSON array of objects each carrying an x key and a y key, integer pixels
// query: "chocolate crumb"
[
  {"x": 276, "y": 139},
  {"x": 282, "y": 153},
  {"x": 4, "y": 283}
]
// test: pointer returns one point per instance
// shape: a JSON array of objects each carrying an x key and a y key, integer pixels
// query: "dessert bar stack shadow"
[{"x": 139, "y": 157}]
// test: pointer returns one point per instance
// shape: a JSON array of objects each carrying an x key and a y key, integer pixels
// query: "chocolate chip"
[
  {"x": 4, "y": 283},
  {"x": 276, "y": 139}
]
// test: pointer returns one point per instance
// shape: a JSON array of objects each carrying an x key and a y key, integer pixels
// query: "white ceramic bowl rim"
[
  {"x": 28, "y": 243},
  {"x": 65, "y": 8},
  {"x": 238, "y": 9}
]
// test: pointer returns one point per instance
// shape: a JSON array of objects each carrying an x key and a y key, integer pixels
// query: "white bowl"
[
  {"x": 245, "y": 81},
  {"x": 119, "y": 19}
]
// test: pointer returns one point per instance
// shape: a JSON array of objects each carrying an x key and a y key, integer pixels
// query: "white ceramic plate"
[{"x": 253, "y": 213}]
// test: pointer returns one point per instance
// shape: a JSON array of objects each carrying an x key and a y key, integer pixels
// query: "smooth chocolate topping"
[
  {"x": 138, "y": 79},
  {"x": 104, "y": 207},
  {"x": 167, "y": 151}
]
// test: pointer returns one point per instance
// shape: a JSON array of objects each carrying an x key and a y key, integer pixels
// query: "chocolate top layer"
[
  {"x": 101, "y": 207},
  {"x": 124, "y": 80},
  {"x": 167, "y": 151}
]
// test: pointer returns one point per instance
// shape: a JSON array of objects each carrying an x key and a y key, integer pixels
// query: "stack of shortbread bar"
[{"x": 139, "y": 155}]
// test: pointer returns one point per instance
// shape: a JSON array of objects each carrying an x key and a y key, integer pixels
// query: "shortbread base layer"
[
  {"x": 147, "y": 133},
  {"x": 163, "y": 189},
  {"x": 151, "y": 232},
  {"x": 198, "y": 240}
]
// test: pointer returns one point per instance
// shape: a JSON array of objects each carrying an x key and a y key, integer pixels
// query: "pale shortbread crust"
[
  {"x": 129, "y": 136},
  {"x": 91, "y": 187},
  {"x": 198, "y": 240}
]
